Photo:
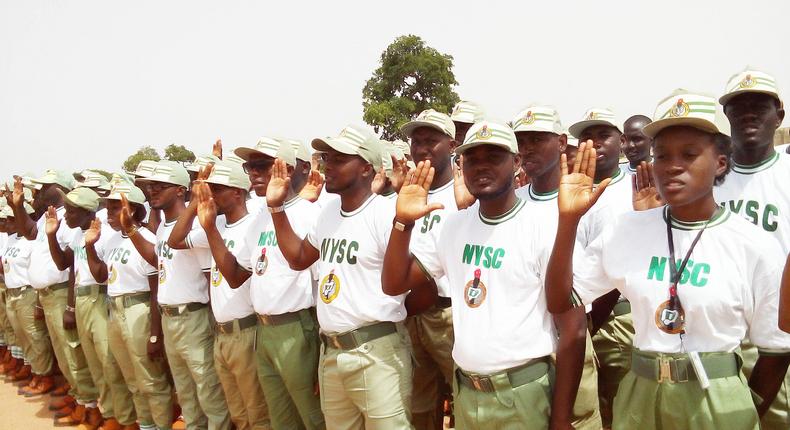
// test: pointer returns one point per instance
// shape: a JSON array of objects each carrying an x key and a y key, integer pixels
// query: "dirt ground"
[{"x": 19, "y": 412}]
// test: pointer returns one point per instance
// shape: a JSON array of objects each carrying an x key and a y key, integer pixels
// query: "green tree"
[
  {"x": 144, "y": 153},
  {"x": 412, "y": 77},
  {"x": 179, "y": 153}
]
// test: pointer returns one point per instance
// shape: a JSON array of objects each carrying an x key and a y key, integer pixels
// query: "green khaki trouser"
[
  {"x": 432, "y": 338},
  {"x": 586, "y": 410},
  {"x": 368, "y": 387},
  {"x": 613, "y": 344},
  {"x": 115, "y": 400},
  {"x": 288, "y": 371},
  {"x": 189, "y": 344},
  {"x": 526, "y": 406},
  {"x": 6, "y": 328},
  {"x": 128, "y": 334},
  {"x": 234, "y": 359},
  {"x": 66, "y": 344},
  {"x": 778, "y": 415},
  {"x": 31, "y": 333},
  {"x": 645, "y": 404}
]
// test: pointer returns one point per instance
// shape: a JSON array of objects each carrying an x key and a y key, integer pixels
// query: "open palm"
[
  {"x": 412, "y": 203},
  {"x": 312, "y": 188},
  {"x": 52, "y": 222},
  {"x": 645, "y": 194},
  {"x": 93, "y": 233},
  {"x": 576, "y": 192},
  {"x": 463, "y": 198},
  {"x": 279, "y": 183},
  {"x": 206, "y": 209}
]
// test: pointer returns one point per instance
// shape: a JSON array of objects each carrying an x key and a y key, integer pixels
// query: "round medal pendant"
[{"x": 669, "y": 320}]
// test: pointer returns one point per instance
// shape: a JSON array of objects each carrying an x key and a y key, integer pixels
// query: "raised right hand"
[
  {"x": 577, "y": 194},
  {"x": 412, "y": 203},
  {"x": 93, "y": 234},
  {"x": 463, "y": 198},
  {"x": 206, "y": 209},
  {"x": 52, "y": 222},
  {"x": 645, "y": 194},
  {"x": 216, "y": 150},
  {"x": 313, "y": 187},
  {"x": 18, "y": 195},
  {"x": 279, "y": 184}
]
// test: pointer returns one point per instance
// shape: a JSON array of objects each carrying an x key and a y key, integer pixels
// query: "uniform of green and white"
[
  {"x": 432, "y": 331},
  {"x": 760, "y": 194},
  {"x": 467, "y": 112},
  {"x": 188, "y": 333},
  {"x": 364, "y": 384},
  {"x": 129, "y": 329},
  {"x": 494, "y": 267},
  {"x": 30, "y": 334},
  {"x": 234, "y": 344},
  {"x": 287, "y": 339},
  {"x": 541, "y": 118},
  {"x": 52, "y": 286},
  {"x": 7, "y": 337}
]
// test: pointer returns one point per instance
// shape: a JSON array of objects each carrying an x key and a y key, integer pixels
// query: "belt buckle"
[
  {"x": 265, "y": 320},
  {"x": 167, "y": 310},
  {"x": 222, "y": 328},
  {"x": 336, "y": 343},
  {"x": 482, "y": 383},
  {"x": 664, "y": 370}
]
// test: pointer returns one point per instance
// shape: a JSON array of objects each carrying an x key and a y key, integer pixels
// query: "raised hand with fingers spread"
[
  {"x": 18, "y": 195},
  {"x": 126, "y": 218},
  {"x": 93, "y": 234},
  {"x": 412, "y": 203},
  {"x": 463, "y": 198},
  {"x": 576, "y": 193},
  {"x": 206, "y": 209},
  {"x": 52, "y": 221},
  {"x": 279, "y": 184},
  {"x": 313, "y": 187},
  {"x": 645, "y": 193},
  {"x": 399, "y": 171},
  {"x": 216, "y": 150},
  {"x": 379, "y": 183}
]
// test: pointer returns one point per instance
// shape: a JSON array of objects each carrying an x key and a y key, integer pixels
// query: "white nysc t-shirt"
[
  {"x": 127, "y": 270},
  {"x": 728, "y": 290},
  {"x": 496, "y": 270},
  {"x": 16, "y": 261},
  {"x": 227, "y": 303},
  {"x": 181, "y": 271},
  {"x": 82, "y": 271},
  {"x": 43, "y": 272},
  {"x": 352, "y": 247}
]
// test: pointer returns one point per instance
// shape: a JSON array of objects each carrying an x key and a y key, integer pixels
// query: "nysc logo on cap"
[
  {"x": 484, "y": 133},
  {"x": 750, "y": 80},
  {"x": 681, "y": 109},
  {"x": 528, "y": 118}
]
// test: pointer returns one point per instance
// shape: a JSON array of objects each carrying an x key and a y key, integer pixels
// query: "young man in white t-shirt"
[
  {"x": 284, "y": 299},
  {"x": 222, "y": 188},
  {"x": 432, "y": 136},
  {"x": 634, "y": 144},
  {"x": 541, "y": 139},
  {"x": 756, "y": 189},
  {"x": 182, "y": 295},
  {"x": 134, "y": 330},
  {"x": 494, "y": 255},
  {"x": 365, "y": 365}
]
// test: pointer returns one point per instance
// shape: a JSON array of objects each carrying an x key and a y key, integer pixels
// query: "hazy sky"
[{"x": 85, "y": 83}]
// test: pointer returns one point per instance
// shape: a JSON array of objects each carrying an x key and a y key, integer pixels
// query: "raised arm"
[
  {"x": 143, "y": 247},
  {"x": 96, "y": 265},
  {"x": 572, "y": 328},
  {"x": 784, "y": 299},
  {"x": 576, "y": 197},
  {"x": 25, "y": 225},
  {"x": 298, "y": 251},
  {"x": 60, "y": 257},
  {"x": 411, "y": 205},
  {"x": 225, "y": 260},
  {"x": 177, "y": 239}
]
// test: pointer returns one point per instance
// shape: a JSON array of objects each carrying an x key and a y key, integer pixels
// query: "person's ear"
[
  {"x": 721, "y": 164},
  {"x": 563, "y": 142}
]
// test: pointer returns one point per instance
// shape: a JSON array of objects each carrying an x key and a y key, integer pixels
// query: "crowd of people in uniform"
[{"x": 500, "y": 275}]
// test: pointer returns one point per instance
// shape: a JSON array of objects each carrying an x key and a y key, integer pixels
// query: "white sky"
[{"x": 85, "y": 83}]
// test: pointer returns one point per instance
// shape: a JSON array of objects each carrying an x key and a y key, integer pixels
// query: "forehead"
[
  {"x": 751, "y": 98},
  {"x": 485, "y": 150},
  {"x": 534, "y": 135},
  {"x": 600, "y": 129},
  {"x": 427, "y": 133},
  {"x": 674, "y": 137},
  {"x": 259, "y": 157}
]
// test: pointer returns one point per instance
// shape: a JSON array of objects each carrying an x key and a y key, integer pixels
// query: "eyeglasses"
[
  {"x": 159, "y": 186},
  {"x": 257, "y": 166}
]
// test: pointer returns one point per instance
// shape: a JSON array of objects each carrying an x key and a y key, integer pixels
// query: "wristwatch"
[
  {"x": 401, "y": 226},
  {"x": 153, "y": 339},
  {"x": 276, "y": 210}
]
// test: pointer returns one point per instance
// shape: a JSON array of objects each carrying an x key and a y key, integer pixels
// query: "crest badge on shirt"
[
  {"x": 113, "y": 275},
  {"x": 475, "y": 291},
  {"x": 330, "y": 287},
  {"x": 668, "y": 319},
  {"x": 262, "y": 263},
  {"x": 216, "y": 276}
]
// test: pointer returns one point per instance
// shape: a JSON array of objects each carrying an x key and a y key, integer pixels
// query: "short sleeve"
[
  {"x": 384, "y": 215},
  {"x": 426, "y": 251},
  {"x": 312, "y": 234},
  {"x": 589, "y": 275},
  {"x": 764, "y": 329},
  {"x": 243, "y": 250},
  {"x": 65, "y": 235},
  {"x": 197, "y": 239},
  {"x": 143, "y": 266}
]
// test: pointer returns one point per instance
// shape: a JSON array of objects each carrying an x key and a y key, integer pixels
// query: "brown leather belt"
[
  {"x": 518, "y": 376},
  {"x": 52, "y": 288},
  {"x": 354, "y": 338},
  {"x": 87, "y": 290},
  {"x": 229, "y": 327},
  {"x": 443, "y": 302},
  {"x": 129, "y": 300},
  {"x": 176, "y": 310},
  {"x": 281, "y": 319},
  {"x": 16, "y": 292}
]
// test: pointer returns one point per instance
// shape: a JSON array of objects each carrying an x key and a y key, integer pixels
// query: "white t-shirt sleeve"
[
  {"x": 143, "y": 266},
  {"x": 197, "y": 239},
  {"x": 243, "y": 252},
  {"x": 65, "y": 235},
  {"x": 590, "y": 280},
  {"x": 426, "y": 252},
  {"x": 764, "y": 325},
  {"x": 312, "y": 233}
]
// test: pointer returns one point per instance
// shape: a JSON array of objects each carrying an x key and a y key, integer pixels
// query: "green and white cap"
[
  {"x": 233, "y": 158},
  {"x": 91, "y": 179},
  {"x": 684, "y": 107},
  {"x": 200, "y": 162},
  {"x": 27, "y": 181},
  {"x": 467, "y": 112},
  {"x": 750, "y": 81},
  {"x": 271, "y": 147},
  {"x": 572, "y": 141},
  {"x": 170, "y": 172},
  {"x": 353, "y": 140},
  {"x": 403, "y": 146},
  {"x": 26, "y": 191},
  {"x": 595, "y": 116},
  {"x": 538, "y": 118},
  {"x": 489, "y": 133},
  {"x": 9, "y": 213},
  {"x": 121, "y": 185},
  {"x": 230, "y": 174},
  {"x": 432, "y": 119},
  {"x": 302, "y": 151},
  {"x": 144, "y": 169},
  {"x": 58, "y": 177},
  {"x": 81, "y": 197}
]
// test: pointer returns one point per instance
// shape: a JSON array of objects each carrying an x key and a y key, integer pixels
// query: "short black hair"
[{"x": 723, "y": 145}]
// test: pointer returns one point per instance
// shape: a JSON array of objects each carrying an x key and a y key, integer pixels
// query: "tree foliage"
[
  {"x": 412, "y": 77},
  {"x": 144, "y": 153},
  {"x": 179, "y": 153}
]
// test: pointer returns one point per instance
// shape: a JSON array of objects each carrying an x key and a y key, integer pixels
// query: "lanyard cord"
[{"x": 675, "y": 271}]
